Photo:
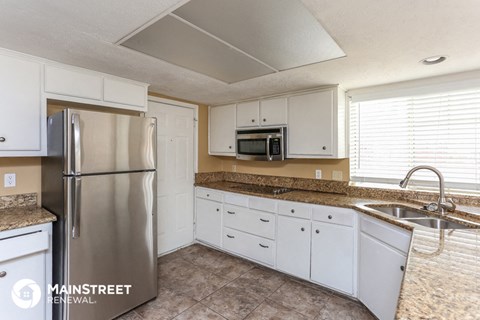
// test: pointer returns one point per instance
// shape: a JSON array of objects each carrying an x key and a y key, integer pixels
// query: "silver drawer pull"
[
  {"x": 231, "y": 237},
  {"x": 262, "y": 245},
  {"x": 231, "y": 212},
  {"x": 264, "y": 220},
  {"x": 3, "y": 274}
]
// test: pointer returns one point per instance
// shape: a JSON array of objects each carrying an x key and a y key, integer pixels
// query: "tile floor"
[{"x": 201, "y": 283}]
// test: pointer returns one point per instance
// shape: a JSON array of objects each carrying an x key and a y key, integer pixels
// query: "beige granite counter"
[
  {"x": 442, "y": 277},
  {"x": 20, "y": 210},
  {"x": 19, "y": 217}
]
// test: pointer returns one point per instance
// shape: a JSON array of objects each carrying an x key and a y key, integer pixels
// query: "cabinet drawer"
[
  {"x": 341, "y": 216},
  {"x": 294, "y": 209},
  {"x": 250, "y": 246},
  {"x": 210, "y": 194},
  {"x": 254, "y": 222},
  {"x": 73, "y": 82},
  {"x": 23, "y": 245},
  {"x": 391, "y": 235},
  {"x": 263, "y": 204},
  {"x": 236, "y": 199}
]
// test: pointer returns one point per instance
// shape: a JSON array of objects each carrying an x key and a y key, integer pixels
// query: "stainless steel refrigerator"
[{"x": 99, "y": 180}]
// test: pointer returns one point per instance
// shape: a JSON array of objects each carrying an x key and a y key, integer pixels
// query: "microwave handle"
[{"x": 269, "y": 157}]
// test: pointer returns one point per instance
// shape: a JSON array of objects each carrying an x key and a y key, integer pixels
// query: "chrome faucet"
[{"x": 443, "y": 203}]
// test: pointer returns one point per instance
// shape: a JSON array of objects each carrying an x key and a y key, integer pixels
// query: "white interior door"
[{"x": 175, "y": 174}]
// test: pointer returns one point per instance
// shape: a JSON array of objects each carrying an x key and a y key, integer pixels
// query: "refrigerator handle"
[
  {"x": 76, "y": 207},
  {"x": 77, "y": 151}
]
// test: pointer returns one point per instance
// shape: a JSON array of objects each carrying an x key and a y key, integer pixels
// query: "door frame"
[{"x": 181, "y": 104}]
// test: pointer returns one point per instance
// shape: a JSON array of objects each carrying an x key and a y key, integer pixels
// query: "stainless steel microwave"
[{"x": 262, "y": 144}]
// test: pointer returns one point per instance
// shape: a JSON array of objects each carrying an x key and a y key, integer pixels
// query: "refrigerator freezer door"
[
  {"x": 99, "y": 142},
  {"x": 117, "y": 242}
]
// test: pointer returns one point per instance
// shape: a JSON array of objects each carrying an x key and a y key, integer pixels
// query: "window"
[{"x": 390, "y": 136}]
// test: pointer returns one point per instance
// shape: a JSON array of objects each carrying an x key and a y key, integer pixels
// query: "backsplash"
[
  {"x": 18, "y": 200},
  {"x": 331, "y": 186}
]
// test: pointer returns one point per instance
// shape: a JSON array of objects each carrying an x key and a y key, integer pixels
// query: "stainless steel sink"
[
  {"x": 420, "y": 218},
  {"x": 399, "y": 212},
  {"x": 438, "y": 223}
]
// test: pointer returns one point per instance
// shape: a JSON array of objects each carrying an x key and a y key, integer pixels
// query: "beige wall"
[
  {"x": 28, "y": 175},
  {"x": 299, "y": 168}
]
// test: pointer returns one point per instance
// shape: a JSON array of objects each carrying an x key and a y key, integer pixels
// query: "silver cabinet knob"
[
  {"x": 317, "y": 231},
  {"x": 292, "y": 211},
  {"x": 218, "y": 209},
  {"x": 324, "y": 148},
  {"x": 402, "y": 268},
  {"x": 253, "y": 120},
  {"x": 302, "y": 228},
  {"x": 2, "y": 139},
  {"x": 229, "y": 147},
  {"x": 264, "y": 120},
  {"x": 329, "y": 216},
  {"x": 3, "y": 274}
]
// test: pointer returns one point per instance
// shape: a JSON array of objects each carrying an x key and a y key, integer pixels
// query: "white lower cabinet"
[
  {"x": 250, "y": 246},
  {"x": 25, "y": 271},
  {"x": 293, "y": 246},
  {"x": 333, "y": 255},
  {"x": 209, "y": 222},
  {"x": 381, "y": 270}
]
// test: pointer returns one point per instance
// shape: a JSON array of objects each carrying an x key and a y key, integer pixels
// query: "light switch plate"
[
  {"x": 337, "y": 175},
  {"x": 10, "y": 180},
  {"x": 318, "y": 174}
]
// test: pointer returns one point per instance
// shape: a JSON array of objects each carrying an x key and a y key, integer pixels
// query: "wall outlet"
[
  {"x": 10, "y": 180},
  {"x": 318, "y": 174},
  {"x": 337, "y": 175}
]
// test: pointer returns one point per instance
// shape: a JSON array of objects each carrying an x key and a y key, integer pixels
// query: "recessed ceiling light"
[{"x": 433, "y": 60}]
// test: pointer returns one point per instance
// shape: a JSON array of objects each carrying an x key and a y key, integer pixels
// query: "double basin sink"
[{"x": 420, "y": 218}]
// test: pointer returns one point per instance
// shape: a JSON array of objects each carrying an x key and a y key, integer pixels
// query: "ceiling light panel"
[
  {"x": 281, "y": 33},
  {"x": 184, "y": 45}
]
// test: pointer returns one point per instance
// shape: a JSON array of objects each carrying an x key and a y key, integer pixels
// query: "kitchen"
[{"x": 207, "y": 159}]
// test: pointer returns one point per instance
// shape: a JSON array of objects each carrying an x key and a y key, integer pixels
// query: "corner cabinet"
[
  {"x": 23, "y": 113},
  {"x": 383, "y": 254},
  {"x": 221, "y": 130},
  {"x": 316, "y": 125}
]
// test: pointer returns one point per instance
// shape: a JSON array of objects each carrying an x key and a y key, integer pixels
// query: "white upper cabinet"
[
  {"x": 273, "y": 112},
  {"x": 85, "y": 86},
  {"x": 221, "y": 138},
  {"x": 23, "y": 114},
  {"x": 248, "y": 114},
  {"x": 316, "y": 124},
  {"x": 125, "y": 92},
  {"x": 73, "y": 82}
]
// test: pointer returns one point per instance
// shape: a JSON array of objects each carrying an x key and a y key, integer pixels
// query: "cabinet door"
[
  {"x": 222, "y": 130},
  {"x": 209, "y": 222},
  {"x": 310, "y": 125},
  {"x": 125, "y": 92},
  {"x": 273, "y": 112},
  {"x": 73, "y": 82},
  {"x": 332, "y": 256},
  {"x": 380, "y": 276},
  {"x": 247, "y": 114},
  {"x": 20, "y": 104},
  {"x": 293, "y": 246}
]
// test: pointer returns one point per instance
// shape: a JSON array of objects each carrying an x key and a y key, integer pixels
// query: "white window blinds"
[{"x": 390, "y": 136}]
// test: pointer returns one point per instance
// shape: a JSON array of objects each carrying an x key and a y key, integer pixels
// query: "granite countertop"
[
  {"x": 442, "y": 277},
  {"x": 19, "y": 217}
]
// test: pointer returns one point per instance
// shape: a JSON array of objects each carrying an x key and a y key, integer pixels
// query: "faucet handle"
[
  {"x": 432, "y": 207},
  {"x": 449, "y": 205}
]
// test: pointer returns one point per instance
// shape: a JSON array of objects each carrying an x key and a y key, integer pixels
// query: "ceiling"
[{"x": 383, "y": 40}]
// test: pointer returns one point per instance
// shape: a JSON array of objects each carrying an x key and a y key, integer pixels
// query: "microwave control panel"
[{"x": 275, "y": 145}]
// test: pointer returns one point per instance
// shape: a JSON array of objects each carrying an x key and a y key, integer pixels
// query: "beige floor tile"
[
  {"x": 167, "y": 305},
  {"x": 199, "y": 312},
  {"x": 261, "y": 281},
  {"x": 230, "y": 267},
  {"x": 270, "y": 310},
  {"x": 341, "y": 308},
  {"x": 234, "y": 302},
  {"x": 132, "y": 315},
  {"x": 303, "y": 299}
]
